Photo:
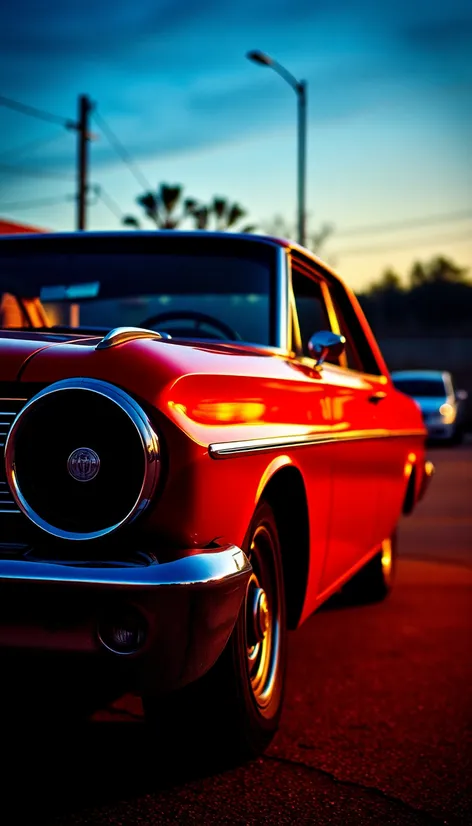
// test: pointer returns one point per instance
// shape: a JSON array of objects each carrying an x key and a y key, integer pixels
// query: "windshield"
[
  {"x": 188, "y": 295},
  {"x": 421, "y": 388}
]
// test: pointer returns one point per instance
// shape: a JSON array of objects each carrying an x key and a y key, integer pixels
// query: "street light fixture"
[{"x": 300, "y": 88}]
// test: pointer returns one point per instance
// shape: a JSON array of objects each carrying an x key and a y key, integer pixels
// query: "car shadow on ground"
[{"x": 56, "y": 770}]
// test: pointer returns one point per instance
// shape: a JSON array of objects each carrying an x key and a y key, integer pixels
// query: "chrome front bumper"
[{"x": 186, "y": 609}]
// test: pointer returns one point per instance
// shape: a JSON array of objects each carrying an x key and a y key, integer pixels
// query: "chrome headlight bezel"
[{"x": 147, "y": 437}]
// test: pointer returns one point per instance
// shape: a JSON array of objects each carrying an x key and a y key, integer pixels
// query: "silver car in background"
[{"x": 441, "y": 405}]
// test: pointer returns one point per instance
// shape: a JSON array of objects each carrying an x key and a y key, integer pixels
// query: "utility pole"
[
  {"x": 301, "y": 173},
  {"x": 83, "y": 136}
]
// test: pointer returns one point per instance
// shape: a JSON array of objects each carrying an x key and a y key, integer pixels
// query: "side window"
[
  {"x": 358, "y": 353},
  {"x": 310, "y": 308},
  {"x": 322, "y": 303},
  {"x": 352, "y": 359}
]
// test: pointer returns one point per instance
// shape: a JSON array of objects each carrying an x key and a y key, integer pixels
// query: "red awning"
[{"x": 8, "y": 227}]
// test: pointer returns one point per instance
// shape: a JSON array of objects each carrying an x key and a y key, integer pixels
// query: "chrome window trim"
[
  {"x": 282, "y": 300},
  {"x": 144, "y": 428},
  {"x": 224, "y": 450}
]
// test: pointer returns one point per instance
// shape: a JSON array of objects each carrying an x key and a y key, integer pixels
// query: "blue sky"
[{"x": 389, "y": 114}]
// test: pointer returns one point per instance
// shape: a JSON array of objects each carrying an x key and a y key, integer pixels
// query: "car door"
[
  {"x": 363, "y": 462},
  {"x": 309, "y": 314},
  {"x": 351, "y": 412}
]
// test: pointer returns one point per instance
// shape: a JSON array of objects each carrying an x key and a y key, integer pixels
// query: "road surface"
[{"x": 377, "y": 722}]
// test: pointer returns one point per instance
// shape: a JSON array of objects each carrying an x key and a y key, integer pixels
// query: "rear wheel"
[
  {"x": 233, "y": 711},
  {"x": 374, "y": 581}
]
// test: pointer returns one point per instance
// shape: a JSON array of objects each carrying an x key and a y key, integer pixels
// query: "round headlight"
[{"x": 82, "y": 459}]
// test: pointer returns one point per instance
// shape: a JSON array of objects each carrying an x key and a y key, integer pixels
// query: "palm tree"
[
  {"x": 167, "y": 209},
  {"x": 225, "y": 215},
  {"x": 160, "y": 207}
]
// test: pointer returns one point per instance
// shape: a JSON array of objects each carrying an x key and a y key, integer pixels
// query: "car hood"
[
  {"x": 145, "y": 367},
  {"x": 211, "y": 388},
  {"x": 18, "y": 347},
  {"x": 190, "y": 383}
]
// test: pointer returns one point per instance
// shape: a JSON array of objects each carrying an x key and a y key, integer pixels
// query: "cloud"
[
  {"x": 441, "y": 35},
  {"x": 96, "y": 28},
  {"x": 172, "y": 76}
]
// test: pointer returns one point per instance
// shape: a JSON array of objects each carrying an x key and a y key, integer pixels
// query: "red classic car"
[{"x": 202, "y": 443}]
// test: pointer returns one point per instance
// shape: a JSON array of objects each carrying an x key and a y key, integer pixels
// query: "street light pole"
[{"x": 300, "y": 88}]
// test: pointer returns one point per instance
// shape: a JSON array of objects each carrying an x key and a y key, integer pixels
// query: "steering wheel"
[{"x": 191, "y": 315}]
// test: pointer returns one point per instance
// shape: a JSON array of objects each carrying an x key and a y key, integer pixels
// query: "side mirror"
[
  {"x": 325, "y": 344},
  {"x": 462, "y": 395}
]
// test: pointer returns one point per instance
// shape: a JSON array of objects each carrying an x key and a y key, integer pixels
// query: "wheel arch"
[{"x": 286, "y": 494}]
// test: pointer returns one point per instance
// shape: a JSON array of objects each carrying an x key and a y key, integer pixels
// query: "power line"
[
  {"x": 394, "y": 226},
  {"x": 35, "y": 173},
  {"x": 39, "y": 202},
  {"x": 122, "y": 152},
  {"x": 430, "y": 241},
  {"x": 31, "y": 146},
  {"x": 109, "y": 202},
  {"x": 55, "y": 200},
  {"x": 32, "y": 111}
]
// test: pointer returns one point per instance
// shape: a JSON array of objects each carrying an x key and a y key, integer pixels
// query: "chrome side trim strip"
[
  {"x": 222, "y": 450},
  {"x": 120, "y": 335},
  {"x": 198, "y": 569}
]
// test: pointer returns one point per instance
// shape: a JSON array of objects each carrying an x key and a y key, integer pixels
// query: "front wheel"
[{"x": 232, "y": 712}]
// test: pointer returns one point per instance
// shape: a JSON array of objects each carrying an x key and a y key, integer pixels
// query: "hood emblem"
[{"x": 83, "y": 464}]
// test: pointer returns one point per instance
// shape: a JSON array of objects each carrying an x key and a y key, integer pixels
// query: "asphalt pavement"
[{"x": 377, "y": 721}]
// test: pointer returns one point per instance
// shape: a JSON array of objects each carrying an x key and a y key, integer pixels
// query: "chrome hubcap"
[
  {"x": 258, "y": 620},
  {"x": 262, "y": 619}
]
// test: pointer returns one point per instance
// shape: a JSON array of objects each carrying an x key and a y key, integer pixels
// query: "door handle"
[{"x": 377, "y": 397}]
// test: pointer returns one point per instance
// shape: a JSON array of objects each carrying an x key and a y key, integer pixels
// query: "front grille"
[{"x": 9, "y": 409}]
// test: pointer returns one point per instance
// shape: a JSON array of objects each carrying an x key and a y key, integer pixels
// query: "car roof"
[
  {"x": 39, "y": 237},
  {"x": 78, "y": 237},
  {"x": 35, "y": 240},
  {"x": 419, "y": 374}
]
